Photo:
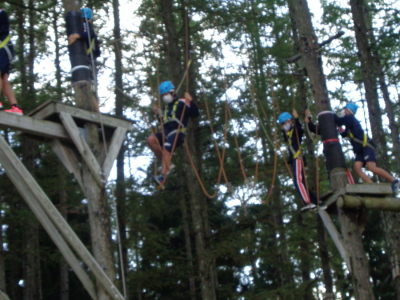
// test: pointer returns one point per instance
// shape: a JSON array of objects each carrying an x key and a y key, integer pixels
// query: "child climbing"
[
  {"x": 174, "y": 120},
  {"x": 293, "y": 132},
  {"x": 363, "y": 146},
  {"x": 6, "y": 57}
]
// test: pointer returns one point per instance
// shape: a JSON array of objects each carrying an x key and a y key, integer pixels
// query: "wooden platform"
[{"x": 66, "y": 128}]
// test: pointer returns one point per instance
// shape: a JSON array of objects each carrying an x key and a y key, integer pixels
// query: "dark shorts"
[
  {"x": 5, "y": 60},
  {"x": 367, "y": 155},
  {"x": 170, "y": 140}
]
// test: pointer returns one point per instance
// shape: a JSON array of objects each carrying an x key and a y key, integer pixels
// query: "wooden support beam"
[
  {"x": 330, "y": 226},
  {"x": 36, "y": 198},
  {"x": 69, "y": 159},
  {"x": 21, "y": 179},
  {"x": 369, "y": 188},
  {"x": 112, "y": 153},
  {"x": 3, "y": 296},
  {"x": 32, "y": 126},
  {"x": 370, "y": 202},
  {"x": 53, "y": 107},
  {"x": 333, "y": 197},
  {"x": 83, "y": 147}
]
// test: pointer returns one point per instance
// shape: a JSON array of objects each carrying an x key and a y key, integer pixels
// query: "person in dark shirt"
[
  {"x": 293, "y": 132},
  {"x": 88, "y": 35},
  {"x": 6, "y": 57},
  {"x": 316, "y": 130},
  {"x": 92, "y": 45},
  {"x": 174, "y": 118},
  {"x": 363, "y": 146}
]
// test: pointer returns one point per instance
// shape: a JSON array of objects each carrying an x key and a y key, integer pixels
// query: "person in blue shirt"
[
  {"x": 363, "y": 146},
  {"x": 6, "y": 57},
  {"x": 293, "y": 132},
  {"x": 174, "y": 119}
]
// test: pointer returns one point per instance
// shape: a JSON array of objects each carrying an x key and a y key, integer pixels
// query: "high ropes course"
[{"x": 64, "y": 127}]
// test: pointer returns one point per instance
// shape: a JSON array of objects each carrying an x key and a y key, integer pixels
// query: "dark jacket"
[
  {"x": 86, "y": 34},
  {"x": 352, "y": 128},
  {"x": 293, "y": 141},
  {"x": 191, "y": 111},
  {"x": 4, "y": 25}
]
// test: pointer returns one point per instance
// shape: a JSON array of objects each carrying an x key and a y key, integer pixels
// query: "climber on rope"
[
  {"x": 174, "y": 119},
  {"x": 6, "y": 57},
  {"x": 363, "y": 147},
  {"x": 293, "y": 133}
]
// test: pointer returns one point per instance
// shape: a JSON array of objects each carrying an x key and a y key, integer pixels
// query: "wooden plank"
[
  {"x": 115, "y": 146},
  {"x": 330, "y": 226},
  {"x": 94, "y": 117},
  {"x": 83, "y": 147},
  {"x": 370, "y": 202},
  {"x": 333, "y": 197},
  {"x": 43, "y": 111},
  {"x": 369, "y": 188},
  {"x": 45, "y": 129},
  {"x": 3, "y": 296},
  {"x": 21, "y": 184},
  {"x": 69, "y": 159},
  {"x": 35, "y": 197}
]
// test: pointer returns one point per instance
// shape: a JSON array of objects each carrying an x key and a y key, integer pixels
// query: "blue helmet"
[
  {"x": 353, "y": 107},
  {"x": 165, "y": 87},
  {"x": 283, "y": 117},
  {"x": 86, "y": 13}
]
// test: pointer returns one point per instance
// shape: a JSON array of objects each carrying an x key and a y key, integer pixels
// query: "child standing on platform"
[{"x": 363, "y": 146}]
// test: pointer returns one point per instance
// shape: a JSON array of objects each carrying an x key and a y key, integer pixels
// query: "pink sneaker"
[{"x": 15, "y": 110}]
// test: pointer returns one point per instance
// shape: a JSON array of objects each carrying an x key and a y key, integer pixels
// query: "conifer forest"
[{"x": 227, "y": 223}]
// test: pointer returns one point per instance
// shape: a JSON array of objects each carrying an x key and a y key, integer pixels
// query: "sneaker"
[
  {"x": 15, "y": 110},
  {"x": 395, "y": 186},
  {"x": 159, "y": 180},
  {"x": 310, "y": 206}
]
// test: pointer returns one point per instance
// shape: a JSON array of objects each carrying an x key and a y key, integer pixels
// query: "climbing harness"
[
  {"x": 173, "y": 117},
  {"x": 295, "y": 153},
  {"x": 363, "y": 142},
  {"x": 3, "y": 44},
  {"x": 91, "y": 47}
]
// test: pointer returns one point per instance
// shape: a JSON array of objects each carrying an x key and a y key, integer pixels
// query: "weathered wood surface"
[
  {"x": 50, "y": 217},
  {"x": 369, "y": 188},
  {"x": 45, "y": 129},
  {"x": 51, "y": 108},
  {"x": 369, "y": 202}
]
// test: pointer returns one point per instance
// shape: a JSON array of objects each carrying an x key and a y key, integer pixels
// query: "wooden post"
[
  {"x": 372, "y": 203},
  {"x": 3, "y": 296},
  {"x": 311, "y": 56},
  {"x": 94, "y": 186}
]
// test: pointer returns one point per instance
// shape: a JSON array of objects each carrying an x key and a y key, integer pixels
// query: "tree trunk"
[
  {"x": 309, "y": 49},
  {"x": 371, "y": 70},
  {"x": 2, "y": 264},
  {"x": 199, "y": 209},
  {"x": 99, "y": 217},
  {"x": 188, "y": 248},
  {"x": 120, "y": 192}
]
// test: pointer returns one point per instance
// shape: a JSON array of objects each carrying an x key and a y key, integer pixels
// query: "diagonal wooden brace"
[{"x": 83, "y": 148}]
